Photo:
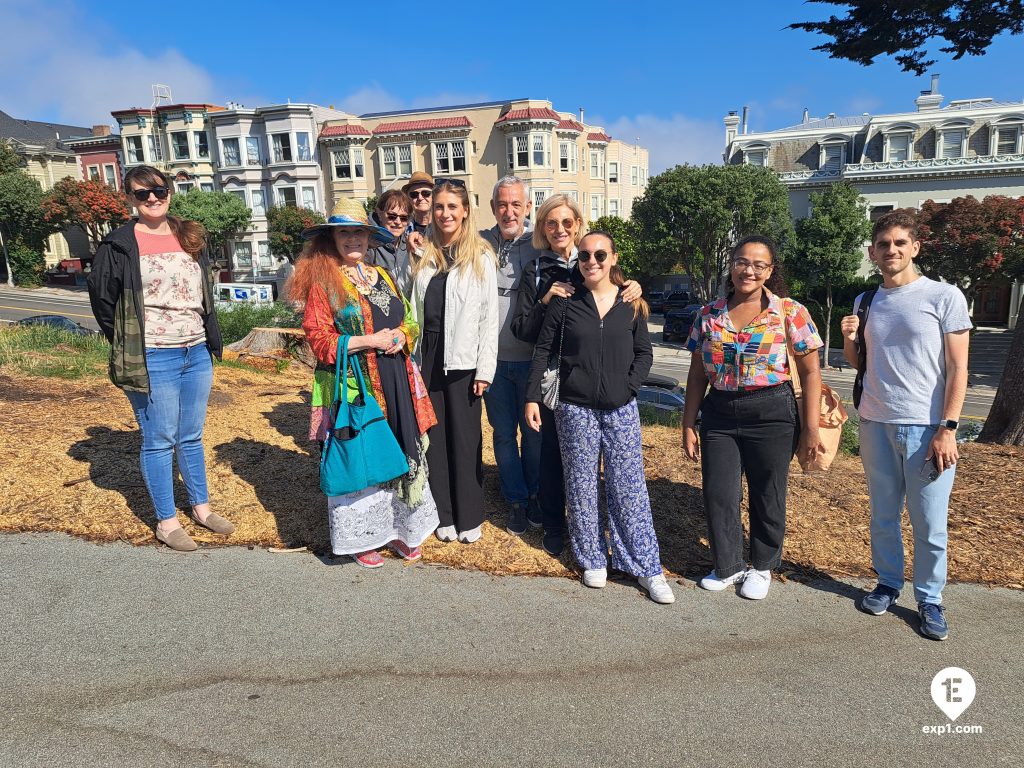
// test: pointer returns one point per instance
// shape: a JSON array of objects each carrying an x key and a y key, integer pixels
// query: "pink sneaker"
[
  {"x": 409, "y": 555},
  {"x": 369, "y": 559}
]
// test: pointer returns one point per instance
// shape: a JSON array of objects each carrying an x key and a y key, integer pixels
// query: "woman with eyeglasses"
[
  {"x": 553, "y": 274},
  {"x": 151, "y": 295},
  {"x": 455, "y": 297},
  {"x": 604, "y": 355},
  {"x": 749, "y": 421},
  {"x": 392, "y": 212}
]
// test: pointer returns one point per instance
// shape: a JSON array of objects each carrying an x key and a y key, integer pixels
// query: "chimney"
[
  {"x": 101, "y": 130},
  {"x": 731, "y": 121},
  {"x": 743, "y": 124},
  {"x": 807, "y": 116},
  {"x": 931, "y": 99},
  {"x": 581, "y": 115}
]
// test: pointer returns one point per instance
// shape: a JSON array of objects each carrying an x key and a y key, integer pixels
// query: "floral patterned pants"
[{"x": 585, "y": 435}]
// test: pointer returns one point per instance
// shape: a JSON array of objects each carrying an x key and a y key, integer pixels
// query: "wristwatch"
[{"x": 949, "y": 424}]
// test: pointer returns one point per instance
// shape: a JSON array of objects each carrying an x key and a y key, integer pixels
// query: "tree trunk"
[
  {"x": 275, "y": 344},
  {"x": 1005, "y": 423},
  {"x": 828, "y": 322},
  {"x": 7, "y": 260}
]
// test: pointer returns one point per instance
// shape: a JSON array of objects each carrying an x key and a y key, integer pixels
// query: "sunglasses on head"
[
  {"x": 142, "y": 195},
  {"x": 453, "y": 182},
  {"x": 415, "y": 193},
  {"x": 600, "y": 256}
]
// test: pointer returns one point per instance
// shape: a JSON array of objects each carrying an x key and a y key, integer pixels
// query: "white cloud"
[
  {"x": 671, "y": 140},
  {"x": 60, "y": 65}
]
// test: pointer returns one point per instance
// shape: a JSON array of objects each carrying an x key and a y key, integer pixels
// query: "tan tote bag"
[{"x": 832, "y": 414}]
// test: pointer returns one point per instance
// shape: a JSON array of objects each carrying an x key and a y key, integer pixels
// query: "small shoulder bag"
[
  {"x": 549, "y": 382},
  {"x": 360, "y": 450},
  {"x": 862, "y": 347}
]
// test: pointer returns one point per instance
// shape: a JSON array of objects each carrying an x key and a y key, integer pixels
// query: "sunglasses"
[
  {"x": 452, "y": 182},
  {"x": 417, "y": 193},
  {"x": 599, "y": 256},
  {"x": 396, "y": 217},
  {"x": 552, "y": 224},
  {"x": 142, "y": 195},
  {"x": 758, "y": 267}
]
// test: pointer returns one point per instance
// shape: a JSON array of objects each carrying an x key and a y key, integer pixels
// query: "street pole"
[{"x": 7, "y": 261}]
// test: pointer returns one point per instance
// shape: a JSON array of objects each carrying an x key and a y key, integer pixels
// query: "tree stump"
[{"x": 275, "y": 344}]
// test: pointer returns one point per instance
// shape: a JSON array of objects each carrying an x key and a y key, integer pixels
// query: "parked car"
[
  {"x": 678, "y": 322},
  {"x": 676, "y": 300},
  {"x": 662, "y": 382},
  {"x": 57, "y": 321},
  {"x": 662, "y": 399},
  {"x": 656, "y": 301}
]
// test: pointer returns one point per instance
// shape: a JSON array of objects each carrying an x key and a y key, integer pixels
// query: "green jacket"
[{"x": 115, "y": 293}]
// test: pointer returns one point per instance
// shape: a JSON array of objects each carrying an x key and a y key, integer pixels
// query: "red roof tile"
[
  {"x": 599, "y": 136},
  {"x": 437, "y": 124},
  {"x": 570, "y": 125},
  {"x": 344, "y": 130},
  {"x": 533, "y": 113}
]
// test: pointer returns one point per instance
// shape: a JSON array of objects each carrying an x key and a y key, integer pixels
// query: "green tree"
[
  {"x": 371, "y": 204},
  {"x": 830, "y": 242},
  {"x": 624, "y": 233},
  {"x": 873, "y": 28},
  {"x": 224, "y": 216},
  {"x": 285, "y": 227},
  {"x": 691, "y": 216},
  {"x": 23, "y": 227},
  {"x": 90, "y": 205},
  {"x": 9, "y": 159}
]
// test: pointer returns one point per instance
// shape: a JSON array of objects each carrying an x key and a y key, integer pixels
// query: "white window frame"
[
  {"x": 200, "y": 143},
  {"x": 249, "y": 142},
  {"x": 155, "y": 147},
  {"x": 312, "y": 204},
  {"x": 174, "y": 146},
  {"x": 240, "y": 194},
  {"x": 92, "y": 173},
  {"x": 945, "y": 134},
  {"x": 908, "y": 135},
  {"x": 259, "y": 210},
  {"x": 206, "y": 186},
  {"x": 614, "y": 203},
  {"x": 823, "y": 156},
  {"x": 565, "y": 150},
  {"x": 891, "y": 204},
  {"x": 613, "y": 172},
  {"x": 279, "y": 195},
  {"x": 539, "y": 196},
  {"x": 994, "y": 141},
  {"x": 596, "y": 205},
  {"x": 303, "y": 154},
  {"x": 572, "y": 194},
  {"x": 750, "y": 154},
  {"x": 263, "y": 254},
  {"x": 597, "y": 164},
  {"x": 240, "y": 265},
  {"x": 634, "y": 175},
  {"x": 544, "y": 140},
  {"x": 398, "y": 161},
  {"x": 184, "y": 187},
  {"x": 110, "y": 175},
  {"x": 278, "y": 149},
  {"x": 134, "y": 149},
  {"x": 224, "y": 159},
  {"x": 445, "y": 150}
]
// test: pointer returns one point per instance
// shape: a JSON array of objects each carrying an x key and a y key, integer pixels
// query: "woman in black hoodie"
[{"x": 603, "y": 354}]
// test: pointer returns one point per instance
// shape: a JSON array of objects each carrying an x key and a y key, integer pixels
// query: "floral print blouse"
[{"x": 172, "y": 292}]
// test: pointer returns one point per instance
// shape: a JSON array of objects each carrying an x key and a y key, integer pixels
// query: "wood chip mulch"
[{"x": 69, "y": 462}]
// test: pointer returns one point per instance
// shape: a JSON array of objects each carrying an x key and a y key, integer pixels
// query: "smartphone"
[{"x": 930, "y": 470}]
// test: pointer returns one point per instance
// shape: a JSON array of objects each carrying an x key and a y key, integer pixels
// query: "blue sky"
[{"x": 666, "y": 72}]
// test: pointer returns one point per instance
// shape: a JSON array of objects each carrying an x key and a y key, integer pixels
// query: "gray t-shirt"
[{"x": 905, "y": 382}]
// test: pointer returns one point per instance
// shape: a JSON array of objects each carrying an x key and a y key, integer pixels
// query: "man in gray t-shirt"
[{"x": 915, "y": 380}]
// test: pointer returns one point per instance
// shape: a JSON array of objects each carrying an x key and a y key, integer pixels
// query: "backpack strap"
[{"x": 863, "y": 309}]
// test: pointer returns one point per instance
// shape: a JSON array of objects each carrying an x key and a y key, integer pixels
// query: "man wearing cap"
[
  {"x": 518, "y": 467},
  {"x": 419, "y": 189}
]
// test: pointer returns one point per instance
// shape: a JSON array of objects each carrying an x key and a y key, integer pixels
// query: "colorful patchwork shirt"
[{"x": 754, "y": 356}]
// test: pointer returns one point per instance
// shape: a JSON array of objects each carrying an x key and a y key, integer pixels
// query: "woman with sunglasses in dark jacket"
[
  {"x": 150, "y": 292},
  {"x": 603, "y": 355}
]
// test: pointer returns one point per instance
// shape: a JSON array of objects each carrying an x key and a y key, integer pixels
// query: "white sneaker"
[
  {"x": 468, "y": 537},
  {"x": 712, "y": 583},
  {"x": 446, "y": 533},
  {"x": 755, "y": 584},
  {"x": 657, "y": 588},
  {"x": 595, "y": 578}
]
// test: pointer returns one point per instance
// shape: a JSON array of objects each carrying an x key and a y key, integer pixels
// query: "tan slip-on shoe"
[
  {"x": 215, "y": 523},
  {"x": 177, "y": 540}
]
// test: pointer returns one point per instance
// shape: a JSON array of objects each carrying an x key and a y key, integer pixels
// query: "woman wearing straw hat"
[
  {"x": 455, "y": 295},
  {"x": 344, "y": 295}
]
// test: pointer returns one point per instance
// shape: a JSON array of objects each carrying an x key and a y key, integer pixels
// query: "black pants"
[
  {"x": 551, "y": 482},
  {"x": 756, "y": 433},
  {"x": 455, "y": 451}
]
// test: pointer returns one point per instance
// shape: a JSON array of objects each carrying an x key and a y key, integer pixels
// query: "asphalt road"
[
  {"x": 120, "y": 656},
  {"x": 17, "y": 304}
]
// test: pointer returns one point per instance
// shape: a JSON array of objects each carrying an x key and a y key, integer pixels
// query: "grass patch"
[
  {"x": 849, "y": 442},
  {"x": 39, "y": 350},
  {"x": 236, "y": 320},
  {"x": 650, "y": 415}
]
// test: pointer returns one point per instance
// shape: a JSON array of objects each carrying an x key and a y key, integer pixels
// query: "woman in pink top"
[{"x": 150, "y": 293}]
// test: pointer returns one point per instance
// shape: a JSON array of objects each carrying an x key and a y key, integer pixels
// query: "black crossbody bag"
[{"x": 862, "y": 349}]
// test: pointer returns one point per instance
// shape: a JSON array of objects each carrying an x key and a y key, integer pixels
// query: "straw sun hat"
[{"x": 350, "y": 213}]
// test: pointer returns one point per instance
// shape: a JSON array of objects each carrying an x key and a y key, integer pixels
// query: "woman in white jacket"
[{"x": 455, "y": 299}]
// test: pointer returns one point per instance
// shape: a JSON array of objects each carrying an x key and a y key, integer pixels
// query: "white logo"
[{"x": 953, "y": 691}]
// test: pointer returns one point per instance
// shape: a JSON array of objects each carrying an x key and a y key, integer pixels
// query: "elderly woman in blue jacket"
[{"x": 455, "y": 302}]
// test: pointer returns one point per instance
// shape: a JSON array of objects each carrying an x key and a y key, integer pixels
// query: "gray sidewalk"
[{"x": 121, "y": 656}]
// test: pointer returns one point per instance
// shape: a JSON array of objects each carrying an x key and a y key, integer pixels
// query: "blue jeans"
[
  {"x": 171, "y": 418},
  {"x": 893, "y": 457},
  {"x": 506, "y": 405}
]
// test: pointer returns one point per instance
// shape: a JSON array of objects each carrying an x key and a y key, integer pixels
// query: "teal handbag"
[{"x": 360, "y": 450}]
